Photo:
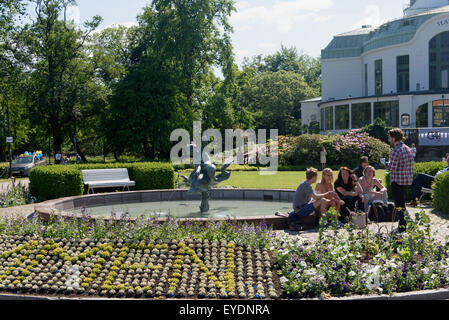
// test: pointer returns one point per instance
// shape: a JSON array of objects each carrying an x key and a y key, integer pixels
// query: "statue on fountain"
[{"x": 203, "y": 178}]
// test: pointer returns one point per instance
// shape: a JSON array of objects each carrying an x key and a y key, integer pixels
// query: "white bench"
[{"x": 107, "y": 178}]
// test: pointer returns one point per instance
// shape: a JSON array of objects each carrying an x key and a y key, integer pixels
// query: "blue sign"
[{"x": 434, "y": 137}]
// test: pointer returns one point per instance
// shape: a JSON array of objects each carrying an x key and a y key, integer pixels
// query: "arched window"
[
  {"x": 440, "y": 113},
  {"x": 439, "y": 61},
  {"x": 405, "y": 120}
]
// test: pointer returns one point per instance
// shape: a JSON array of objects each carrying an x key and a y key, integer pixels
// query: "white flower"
[
  {"x": 351, "y": 274},
  {"x": 303, "y": 264},
  {"x": 283, "y": 279}
]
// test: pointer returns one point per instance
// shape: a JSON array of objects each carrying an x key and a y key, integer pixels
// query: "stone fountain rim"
[{"x": 60, "y": 207}]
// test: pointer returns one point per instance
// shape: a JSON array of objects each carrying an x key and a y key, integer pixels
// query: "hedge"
[
  {"x": 57, "y": 181},
  {"x": 440, "y": 193},
  {"x": 430, "y": 168}
]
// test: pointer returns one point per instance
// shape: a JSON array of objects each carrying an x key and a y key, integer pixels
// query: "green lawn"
[{"x": 280, "y": 180}]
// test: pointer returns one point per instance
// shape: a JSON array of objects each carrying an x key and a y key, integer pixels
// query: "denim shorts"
[{"x": 305, "y": 211}]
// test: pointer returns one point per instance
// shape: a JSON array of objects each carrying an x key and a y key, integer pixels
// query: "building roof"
[
  {"x": 355, "y": 43},
  {"x": 317, "y": 99}
]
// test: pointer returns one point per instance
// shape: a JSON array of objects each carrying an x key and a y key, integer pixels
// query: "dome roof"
[{"x": 356, "y": 42}]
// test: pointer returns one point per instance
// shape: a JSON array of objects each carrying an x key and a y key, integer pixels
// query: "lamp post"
[{"x": 5, "y": 76}]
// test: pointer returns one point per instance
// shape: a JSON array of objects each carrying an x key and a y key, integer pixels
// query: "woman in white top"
[
  {"x": 366, "y": 185},
  {"x": 323, "y": 158}
]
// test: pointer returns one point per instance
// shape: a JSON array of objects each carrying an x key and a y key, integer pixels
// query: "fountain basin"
[{"x": 266, "y": 199}]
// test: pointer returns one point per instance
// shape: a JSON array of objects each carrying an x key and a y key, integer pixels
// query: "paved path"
[
  {"x": 4, "y": 185},
  {"x": 439, "y": 226}
]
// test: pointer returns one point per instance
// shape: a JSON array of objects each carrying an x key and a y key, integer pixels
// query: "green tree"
[
  {"x": 61, "y": 90},
  {"x": 288, "y": 59},
  {"x": 275, "y": 98},
  {"x": 378, "y": 129}
]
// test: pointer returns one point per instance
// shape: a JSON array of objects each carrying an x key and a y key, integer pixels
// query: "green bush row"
[
  {"x": 430, "y": 168},
  {"x": 440, "y": 193},
  {"x": 51, "y": 182}
]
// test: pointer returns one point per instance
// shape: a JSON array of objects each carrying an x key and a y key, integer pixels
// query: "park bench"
[{"x": 107, "y": 178}]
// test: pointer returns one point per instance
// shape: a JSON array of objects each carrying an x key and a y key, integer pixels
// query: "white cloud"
[
  {"x": 283, "y": 15},
  {"x": 372, "y": 17},
  {"x": 266, "y": 45}
]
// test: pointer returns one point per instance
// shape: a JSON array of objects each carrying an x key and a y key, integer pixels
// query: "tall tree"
[{"x": 61, "y": 90}]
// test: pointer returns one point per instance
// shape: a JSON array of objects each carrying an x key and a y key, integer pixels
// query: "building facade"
[{"x": 398, "y": 72}]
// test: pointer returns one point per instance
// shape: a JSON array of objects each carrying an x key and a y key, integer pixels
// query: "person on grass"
[
  {"x": 323, "y": 154},
  {"x": 308, "y": 206},
  {"x": 327, "y": 185},
  {"x": 423, "y": 180},
  {"x": 366, "y": 187},
  {"x": 363, "y": 163}
]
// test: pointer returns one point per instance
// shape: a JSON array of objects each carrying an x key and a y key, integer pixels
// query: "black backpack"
[{"x": 380, "y": 212}]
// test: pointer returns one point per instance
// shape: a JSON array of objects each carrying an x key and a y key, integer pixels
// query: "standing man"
[
  {"x": 58, "y": 157},
  {"x": 401, "y": 173}
]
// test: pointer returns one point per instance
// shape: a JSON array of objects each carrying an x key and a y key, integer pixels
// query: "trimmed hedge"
[
  {"x": 52, "y": 182},
  {"x": 430, "y": 168},
  {"x": 440, "y": 193}
]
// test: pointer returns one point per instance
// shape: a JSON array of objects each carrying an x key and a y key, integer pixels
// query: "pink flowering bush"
[{"x": 342, "y": 150}]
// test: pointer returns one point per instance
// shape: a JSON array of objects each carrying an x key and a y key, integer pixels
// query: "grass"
[{"x": 280, "y": 180}]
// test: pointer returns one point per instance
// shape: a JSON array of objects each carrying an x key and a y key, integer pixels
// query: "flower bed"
[
  {"x": 117, "y": 268},
  {"x": 349, "y": 261}
]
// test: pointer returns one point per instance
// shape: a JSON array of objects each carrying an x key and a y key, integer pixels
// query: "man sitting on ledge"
[
  {"x": 423, "y": 180},
  {"x": 308, "y": 206}
]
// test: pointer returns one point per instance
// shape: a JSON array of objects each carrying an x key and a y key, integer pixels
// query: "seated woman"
[
  {"x": 326, "y": 186},
  {"x": 345, "y": 188},
  {"x": 366, "y": 185}
]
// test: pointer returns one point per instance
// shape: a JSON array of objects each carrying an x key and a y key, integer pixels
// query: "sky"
[{"x": 262, "y": 26}]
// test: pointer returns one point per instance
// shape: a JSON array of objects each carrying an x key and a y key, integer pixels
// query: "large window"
[
  {"x": 439, "y": 61},
  {"x": 422, "y": 116},
  {"x": 342, "y": 117},
  {"x": 330, "y": 118},
  {"x": 323, "y": 119},
  {"x": 387, "y": 111},
  {"x": 378, "y": 77},
  {"x": 440, "y": 113},
  {"x": 361, "y": 115},
  {"x": 366, "y": 80},
  {"x": 403, "y": 73}
]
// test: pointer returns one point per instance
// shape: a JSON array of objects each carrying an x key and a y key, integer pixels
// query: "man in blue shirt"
[
  {"x": 308, "y": 206},
  {"x": 423, "y": 180}
]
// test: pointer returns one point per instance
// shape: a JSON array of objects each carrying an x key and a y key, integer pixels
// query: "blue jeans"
[{"x": 422, "y": 180}]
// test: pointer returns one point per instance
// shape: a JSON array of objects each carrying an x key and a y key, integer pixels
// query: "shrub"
[
  {"x": 441, "y": 192},
  {"x": 3, "y": 166},
  {"x": 342, "y": 150},
  {"x": 51, "y": 182}
]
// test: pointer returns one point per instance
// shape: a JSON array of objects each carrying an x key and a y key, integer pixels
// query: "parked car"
[{"x": 23, "y": 165}]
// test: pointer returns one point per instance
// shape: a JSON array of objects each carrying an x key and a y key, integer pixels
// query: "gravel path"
[{"x": 439, "y": 226}]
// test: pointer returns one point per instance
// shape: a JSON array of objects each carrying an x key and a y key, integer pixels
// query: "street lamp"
[{"x": 5, "y": 76}]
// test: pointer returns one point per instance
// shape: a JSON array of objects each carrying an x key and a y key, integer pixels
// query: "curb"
[{"x": 437, "y": 294}]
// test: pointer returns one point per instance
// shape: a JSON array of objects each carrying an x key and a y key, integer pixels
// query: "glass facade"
[
  {"x": 329, "y": 118},
  {"x": 378, "y": 81},
  {"x": 439, "y": 61},
  {"x": 440, "y": 113},
  {"x": 323, "y": 119},
  {"x": 403, "y": 73},
  {"x": 342, "y": 117},
  {"x": 361, "y": 115},
  {"x": 422, "y": 116},
  {"x": 387, "y": 111}
]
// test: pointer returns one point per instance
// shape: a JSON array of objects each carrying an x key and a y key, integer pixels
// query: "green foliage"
[
  {"x": 441, "y": 192},
  {"x": 378, "y": 129},
  {"x": 51, "y": 182},
  {"x": 342, "y": 150},
  {"x": 16, "y": 195}
]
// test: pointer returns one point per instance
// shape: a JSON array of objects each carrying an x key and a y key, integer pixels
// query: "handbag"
[
  {"x": 360, "y": 219},
  {"x": 381, "y": 212}
]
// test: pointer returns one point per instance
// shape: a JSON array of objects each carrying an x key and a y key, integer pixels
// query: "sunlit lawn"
[{"x": 280, "y": 180}]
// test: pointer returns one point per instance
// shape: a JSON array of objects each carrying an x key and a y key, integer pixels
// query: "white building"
[{"x": 398, "y": 72}]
